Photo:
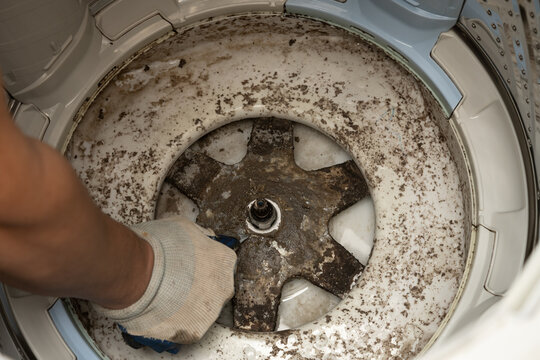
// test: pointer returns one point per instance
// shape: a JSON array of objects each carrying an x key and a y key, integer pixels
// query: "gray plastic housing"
[
  {"x": 507, "y": 32},
  {"x": 31, "y": 54}
]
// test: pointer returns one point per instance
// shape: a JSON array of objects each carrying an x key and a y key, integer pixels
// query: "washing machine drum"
[{"x": 372, "y": 220}]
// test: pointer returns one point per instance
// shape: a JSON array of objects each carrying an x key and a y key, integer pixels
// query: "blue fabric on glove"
[
  {"x": 227, "y": 241},
  {"x": 157, "y": 345},
  {"x": 138, "y": 342}
]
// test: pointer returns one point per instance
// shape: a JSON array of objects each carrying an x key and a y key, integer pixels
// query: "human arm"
[{"x": 55, "y": 241}]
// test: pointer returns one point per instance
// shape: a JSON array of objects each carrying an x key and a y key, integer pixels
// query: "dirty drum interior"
[{"x": 330, "y": 80}]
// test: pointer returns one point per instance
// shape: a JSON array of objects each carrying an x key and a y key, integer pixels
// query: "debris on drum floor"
[{"x": 235, "y": 68}]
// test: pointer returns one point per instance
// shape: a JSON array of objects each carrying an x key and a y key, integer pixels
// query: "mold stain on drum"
[{"x": 248, "y": 67}]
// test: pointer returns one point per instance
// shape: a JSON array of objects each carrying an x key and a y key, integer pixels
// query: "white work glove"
[{"x": 192, "y": 279}]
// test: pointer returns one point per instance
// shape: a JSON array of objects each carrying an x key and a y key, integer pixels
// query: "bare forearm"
[{"x": 56, "y": 240}]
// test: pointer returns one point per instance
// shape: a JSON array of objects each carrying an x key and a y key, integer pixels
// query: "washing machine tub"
[{"x": 480, "y": 134}]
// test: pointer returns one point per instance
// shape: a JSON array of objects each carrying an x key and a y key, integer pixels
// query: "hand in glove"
[{"x": 192, "y": 278}]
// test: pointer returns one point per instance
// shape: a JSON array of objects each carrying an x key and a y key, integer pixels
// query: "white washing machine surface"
[{"x": 395, "y": 149}]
